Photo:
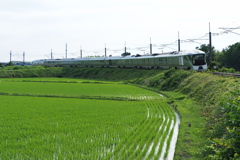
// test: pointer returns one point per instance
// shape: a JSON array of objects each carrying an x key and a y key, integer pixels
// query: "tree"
[
  {"x": 224, "y": 142},
  {"x": 231, "y": 56},
  {"x": 205, "y": 48},
  {"x": 10, "y": 64},
  {"x": 219, "y": 59}
]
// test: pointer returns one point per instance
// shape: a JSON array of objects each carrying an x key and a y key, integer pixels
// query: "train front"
[{"x": 198, "y": 59}]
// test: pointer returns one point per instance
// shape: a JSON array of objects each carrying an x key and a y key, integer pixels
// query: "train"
[{"x": 188, "y": 59}]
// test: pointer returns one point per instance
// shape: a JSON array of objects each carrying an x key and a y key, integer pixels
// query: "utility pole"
[
  {"x": 10, "y": 56},
  {"x": 178, "y": 43},
  {"x": 210, "y": 45},
  {"x": 80, "y": 51},
  {"x": 23, "y": 57},
  {"x": 105, "y": 50},
  {"x": 51, "y": 54},
  {"x": 150, "y": 46},
  {"x": 125, "y": 48},
  {"x": 66, "y": 50}
]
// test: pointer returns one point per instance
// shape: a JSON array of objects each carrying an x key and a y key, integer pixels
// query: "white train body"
[{"x": 194, "y": 59}]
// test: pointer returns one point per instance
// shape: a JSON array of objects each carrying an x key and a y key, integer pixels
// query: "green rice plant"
[
  {"x": 46, "y": 127},
  {"x": 160, "y": 150},
  {"x": 54, "y": 88},
  {"x": 167, "y": 137},
  {"x": 159, "y": 133},
  {"x": 127, "y": 143},
  {"x": 55, "y": 80},
  {"x": 129, "y": 138},
  {"x": 153, "y": 132},
  {"x": 164, "y": 132},
  {"x": 168, "y": 143},
  {"x": 143, "y": 143},
  {"x": 71, "y": 128},
  {"x": 135, "y": 137}
]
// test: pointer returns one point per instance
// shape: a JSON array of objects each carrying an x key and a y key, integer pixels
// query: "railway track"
[{"x": 227, "y": 74}]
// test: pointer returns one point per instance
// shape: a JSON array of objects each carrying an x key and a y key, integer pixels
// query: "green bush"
[
  {"x": 224, "y": 134},
  {"x": 228, "y": 70},
  {"x": 173, "y": 78}
]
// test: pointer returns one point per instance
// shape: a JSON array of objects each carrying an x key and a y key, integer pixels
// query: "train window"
[
  {"x": 198, "y": 59},
  {"x": 190, "y": 58}
]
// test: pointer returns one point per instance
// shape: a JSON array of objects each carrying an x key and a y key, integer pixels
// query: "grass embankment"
[
  {"x": 25, "y": 71},
  {"x": 209, "y": 125}
]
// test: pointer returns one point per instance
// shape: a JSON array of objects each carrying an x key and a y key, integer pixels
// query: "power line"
[
  {"x": 148, "y": 48},
  {"x": 230, "y": 29}
]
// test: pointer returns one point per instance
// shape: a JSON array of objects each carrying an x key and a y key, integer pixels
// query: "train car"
[
  {"x": 194, "y": 59},
  {"x": 39, "y": 62}
]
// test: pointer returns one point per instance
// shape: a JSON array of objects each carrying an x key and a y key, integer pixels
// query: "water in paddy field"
[{"x": 174, "y": 139}]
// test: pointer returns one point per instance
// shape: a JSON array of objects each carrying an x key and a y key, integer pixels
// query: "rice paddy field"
[{"x": 57, "y": 118}]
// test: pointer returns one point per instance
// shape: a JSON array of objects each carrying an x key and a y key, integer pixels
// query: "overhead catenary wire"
[
  {"x": 148, "y": 49},
  {"x": 227, "y": 30}
]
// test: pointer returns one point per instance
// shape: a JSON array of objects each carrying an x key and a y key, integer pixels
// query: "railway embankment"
[
  {"x": 26, "y": 71},
  {"x": 209, "y": 105}
]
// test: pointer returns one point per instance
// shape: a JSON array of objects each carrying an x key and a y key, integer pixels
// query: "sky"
[{"x": 39, "y": 27}]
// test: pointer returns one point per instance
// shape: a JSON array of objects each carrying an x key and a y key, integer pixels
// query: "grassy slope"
[
  {"x": 205, "y": 89},
  {"x": 20, "y": 72}
]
